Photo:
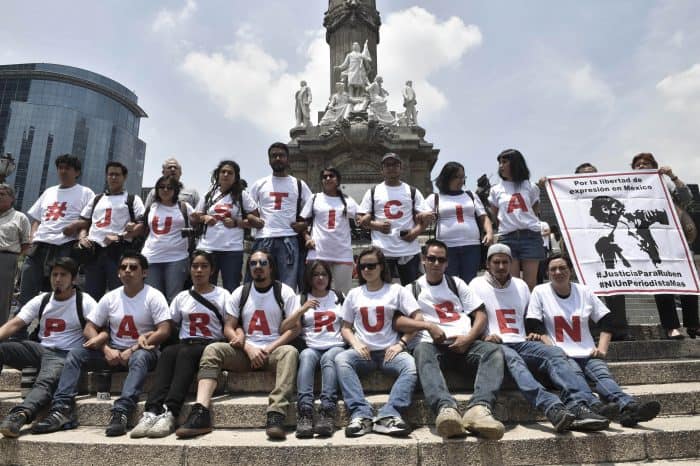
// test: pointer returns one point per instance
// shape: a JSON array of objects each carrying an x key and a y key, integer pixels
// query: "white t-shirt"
[
  {"x": 393, "y": 203},
  {"x": 514, "y": 202},
  {"x": 219, "y": 237},
  {"x": 505, "y": 308},
  {"x": 59, "y": 327},
  {"x": 441, "y": 306},
  {"x": 330, "y": 230},
  {"x": 57, "y": 208},
  {"x": 566, "y": 319},
  {"x": 261, "y": 317},
  {"x": 165, "y": 242},
  {"x": 130, "y": 317},
  {"x": 457, "y": 225},
  {"x": 195, "y": 319},
  {"x": 372, "y": 313},
  {"x": 276, "y": 198},
  {"x": 320, "y": 327},
  {"x": 110, "y": 216}
]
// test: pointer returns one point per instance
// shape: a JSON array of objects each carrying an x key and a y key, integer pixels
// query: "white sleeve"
[
  {"x": 88, "y": 196},
  {"x": 430, "y": 201},
  {"x": 158, "y": 306},
  {"x": 366, "y": 204},
  {"x": 470, "y": 301},
  {"x": 534, "y": 193},
  {"x": 139, "y": 208},
  {"x": 100, "y": 315},
  {"x": 30, "y": 311},
  {"x": 479, "y": 206},
  {"x": 254, "y": 190},
  {"x": 86, "y": 213},
  {"x": 234, "y": 303},
  {"x": 535, "y": 308},
  {"x": 421, "y": 206},
  {"x": 353, "y": 208},
  {"x": 348, "y": 312},
  {"x": 200, "y": 206},
  {"x": 290, "y": 300},
  {"x": 407, "y": 303},
  {"x": 175, "y": 313},
  {"x": 600, "y": 310},
  {"x": 248, "y": 203},
  {"x": 305, "y": 192},
  {"x": 306, "y": 210},
  {"x": 35, "y": 211}
]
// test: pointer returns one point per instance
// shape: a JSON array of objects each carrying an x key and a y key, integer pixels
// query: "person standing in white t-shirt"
[
  {"x": 55, "y": 226},
  {"x": 516, "y": 203},
  {"x": 329, "y": 214},
  {"x": 167, "y": 243},
  {"x": 224, "y": 213},
  {"x": 396, "y": 213},
  {"x": 565, "y": 309},
  {"x": 280, "y": 198},
  {"x": 112, "y": 220},
  {"x": 123, "y": 333},
  {"x": 460, "y": 219},
  {"x": 375, "y": 345}
]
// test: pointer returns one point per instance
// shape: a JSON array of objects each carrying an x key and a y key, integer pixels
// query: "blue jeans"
[
  {"x": 308, "y": 360},
  {"x": 520, "y": 357},
  {"x": 597, "y": 371},
  {"x": 285, "y": 250},
  {"x": 524, "y": 244},
  {"x": 101, "y": 273},
  {"x": 488, "y": 358},
  {"x": 21, "y": 354},
  {"x": 230, "y": 264},
  {"x": 140, "y": 363},
  {"x": 464, "y": 261},
  {"x": 168, "y": 277},
  {"x": 349, "y": 364}
]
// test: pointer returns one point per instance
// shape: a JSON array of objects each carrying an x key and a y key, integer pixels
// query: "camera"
[{"x": 187, "y": 232}]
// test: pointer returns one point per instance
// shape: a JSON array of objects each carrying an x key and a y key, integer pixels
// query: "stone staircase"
[{"x": 668, "y": 371}]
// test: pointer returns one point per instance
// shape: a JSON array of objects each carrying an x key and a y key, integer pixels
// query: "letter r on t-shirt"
[
  {"x": 506, "y": 317},
  {"x": 199, "y": 322},
  {"x": 324, "y": 319}
]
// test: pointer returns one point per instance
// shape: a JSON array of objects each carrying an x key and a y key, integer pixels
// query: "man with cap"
[
  {"x": 396, "y": 213},
  {"x": 172, "y": 169},
  {"x": 506, "y": 299}
]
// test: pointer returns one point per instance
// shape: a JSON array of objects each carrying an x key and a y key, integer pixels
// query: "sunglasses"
[
  {"x": 166, "y": 188},
  {"x": 434, "y": 259},
  {"x": 368, "y": 266},
  {"x": 328, "y": 176},
  {"x": 261, "y": 263},
  {"x": 128, "y": 267}
]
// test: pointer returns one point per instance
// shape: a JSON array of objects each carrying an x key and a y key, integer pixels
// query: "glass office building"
[{"x": 47, "y": 110}]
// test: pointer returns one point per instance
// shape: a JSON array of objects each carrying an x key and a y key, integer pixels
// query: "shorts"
[{"x": 524, "y": 244}]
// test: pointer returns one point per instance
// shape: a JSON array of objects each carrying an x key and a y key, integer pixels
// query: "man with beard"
[
  {"x": 172, "y": 169},
  {"x": 280, "y": 197}
]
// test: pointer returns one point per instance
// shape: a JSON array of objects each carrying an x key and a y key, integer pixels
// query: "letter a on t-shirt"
[
  {"x": 127, "y": 328},
  {"x": 258, "y": 323},
  {"x": 517, "y": 202}
]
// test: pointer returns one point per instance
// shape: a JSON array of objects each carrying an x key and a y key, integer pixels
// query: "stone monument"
[{"x": 356, "y": 128}]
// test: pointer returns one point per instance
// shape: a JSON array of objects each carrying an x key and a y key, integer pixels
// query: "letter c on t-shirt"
[{"x": 393, "y": 215}]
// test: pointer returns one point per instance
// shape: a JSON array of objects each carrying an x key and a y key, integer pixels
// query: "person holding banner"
[
  {"x": 666, "y": 303},
  {"x": 559, "y": 311},
  {"x": 515, "y": 202}
]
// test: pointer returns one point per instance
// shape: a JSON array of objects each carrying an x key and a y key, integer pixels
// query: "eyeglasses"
[
  {"x": 434, "y": 259},
  {"x": 261, "y": 263},
  {"x": 128, "y": 267},
  {"x": 320, "y": 275},
  {"x": 166, "y": 188},
  {"x": 368, "y": 266}
]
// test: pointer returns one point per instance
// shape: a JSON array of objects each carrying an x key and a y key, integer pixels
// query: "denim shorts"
[{"x": 524, "y": 244}]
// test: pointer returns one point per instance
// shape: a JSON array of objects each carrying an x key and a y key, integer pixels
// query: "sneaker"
[
  {"x": 586, "y": 420},
  {"x": 607, "y": 410},
  {"x": 325, "y": 426},
  {"x": 274, "y": 427},
  {"x": 144, "y": 425},
  {"x": 60, "y": 418},
  {"x": 639, "y": 412},
  {"x": 358, "y": 427},
  {"x": 13, "y": 422},
  {"x": 164, "y": 425},
  {"x": 391, "y": 425},
  {"x": 117, "y": 424},
  {"x": 197, "y": 423},
  {"x": 449, "y": 422},
  {"x": 479, "y": 420},
  {"x": 305, "y": 423},
  {"x": 560, "y": 417}
]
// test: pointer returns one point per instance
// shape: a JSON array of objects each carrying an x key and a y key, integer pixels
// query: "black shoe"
[
  {"x": 560, "y": 417},
  {"x": 59, "y": 418},
  {"x": 693, "y": 332},
  {"x": 586, "y": 420},
  {"x": 13, "y": 422},
  {"x": 117, "y": 424},
  {"x": 639, "y": 412},
  {"x": 325, "y": 426},
  {"x": 607, "y": 410},
  {"x": 305, "y": 424},
  {"x": 197, "y": 423},
  {"x": 274, "y": 427}
]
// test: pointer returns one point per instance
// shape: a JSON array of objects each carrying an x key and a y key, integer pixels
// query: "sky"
[{"x": 563, "y": 81}]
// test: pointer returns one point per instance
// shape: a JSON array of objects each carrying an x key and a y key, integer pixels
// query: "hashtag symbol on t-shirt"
[{"x": 56, "y": 211}]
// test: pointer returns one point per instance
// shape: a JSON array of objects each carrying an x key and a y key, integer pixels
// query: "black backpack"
[
  {"x": 276, "y": 291},
  {"x": 45, "y": 301},
  {"x": 451, "y": 284}
]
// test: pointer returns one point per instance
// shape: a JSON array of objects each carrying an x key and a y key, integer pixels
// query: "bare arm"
[{"x": 11, "y": 327}]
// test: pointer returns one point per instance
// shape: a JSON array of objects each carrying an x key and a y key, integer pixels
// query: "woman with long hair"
[
  {"x": 515, "y": 203},
  {"x": 199, "y": 312},
  {"x": 329, "y": 213},
  {"x": 223, "y": 214},
  {"x": 318, "y": 318},
  {"x": 166, "y": 246},
  {"x": 460, "y": 219}
]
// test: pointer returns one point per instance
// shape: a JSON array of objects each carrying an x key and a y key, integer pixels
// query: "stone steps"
[
  {"x": 529, "y": 444},
  {"x": 248, "y": 411}
]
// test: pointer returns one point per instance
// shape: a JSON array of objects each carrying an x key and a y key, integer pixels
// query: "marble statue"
[
  {"x": 355, "y": 68},
  {"x": 377, "y": 109},
  {"x": 302, "y": 107},
  {"x": 409, "y": 102},
  {"x": 339, "y": 106}
]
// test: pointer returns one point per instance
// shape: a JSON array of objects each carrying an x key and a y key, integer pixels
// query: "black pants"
[
  {"x": 407, "y": 272},
  {"x": 666, "y": 306},
  {"x": 177, "y": 367},
  {"x": 618, "y": 315}
]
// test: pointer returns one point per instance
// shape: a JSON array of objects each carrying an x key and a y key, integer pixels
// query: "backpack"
[
  {"x": 45, "y": 301},
  {"x": 451, "y": 284},
  {"x": 276, "y": 291}
]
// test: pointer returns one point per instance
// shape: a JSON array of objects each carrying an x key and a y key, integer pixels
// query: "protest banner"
[{"x": 622, "y": 233}]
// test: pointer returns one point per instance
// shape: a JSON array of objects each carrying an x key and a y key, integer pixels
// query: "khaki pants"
[{"x": 284, "y": 360}]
